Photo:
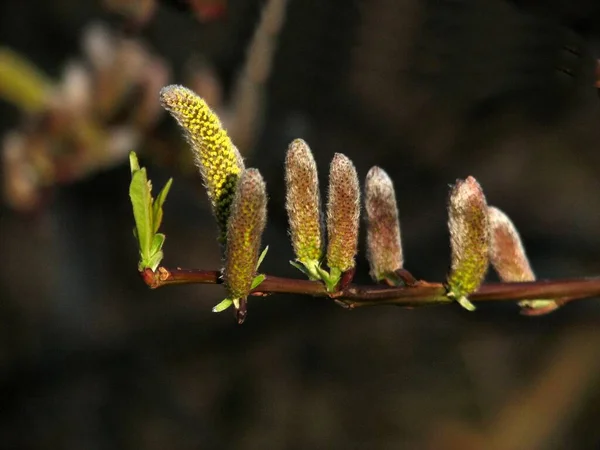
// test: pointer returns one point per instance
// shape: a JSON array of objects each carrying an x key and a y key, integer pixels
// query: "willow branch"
[{"x": 422, "y": 293}]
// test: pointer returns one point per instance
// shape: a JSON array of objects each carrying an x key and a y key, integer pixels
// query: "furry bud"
[
  {"x": 219, "y": 161},
  {"x": 303, "y": 205},
  {"x": 244, "y": 232},
  {"x": 343, "y": 213},
  {"x": 510, "y": 261},
  {"x": 469, "y": 227},
  {"x": 384, "y": 245}
]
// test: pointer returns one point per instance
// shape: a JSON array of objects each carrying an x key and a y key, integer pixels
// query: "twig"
[{"x": 422, "y": 293}]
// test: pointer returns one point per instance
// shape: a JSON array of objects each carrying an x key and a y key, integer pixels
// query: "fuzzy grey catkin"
[
  {"x": 469, "y": 227},
  {"x": 303, "y": 203},
  {"x": 509, "y": 259},
  {"x": 244, "y": 233},
  {"x": 343, "y": 214},
  {"x": 384, "y": 244}
]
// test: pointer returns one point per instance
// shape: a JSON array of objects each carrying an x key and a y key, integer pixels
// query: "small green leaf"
[
  {"x": 157, "y": 242},
  {"x": 331, "y": 279},
  {"x": 257, "y": 280},
  {"x": 323, "y": 274},
  {"x": 153, "y": 261},
  {"x": 147, "y": 214},
  {"x": 223, "y": 305},
  {"x": 312, "y": 269},
  {"x": 133, "y": 162},
  {"x": 538, "y": 307},
  {"x": 537, "y": 304},
  {"x": 141, "y": 201},
  {"x": 262, "y": 256},
  {"x": 157, "y": 212},
  {"x": 466, "y": 303},
  {"x": 300, "y": 267}
]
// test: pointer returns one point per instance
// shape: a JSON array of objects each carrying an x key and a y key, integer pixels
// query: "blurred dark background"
[{"x": 430, "y": 90}]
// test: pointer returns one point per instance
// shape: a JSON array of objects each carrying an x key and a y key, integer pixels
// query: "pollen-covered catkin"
[
  {"x": 343, "y": 213},
  {"x": 219, "y": 161},
  {"x": 244, "y": 233},
  {"x": 384, "y": 245}
]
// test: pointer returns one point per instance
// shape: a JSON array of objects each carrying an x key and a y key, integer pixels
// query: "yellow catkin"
[
  {"x": 244, "y": 233},
  {"x": 303, "y": 203},
  {"x": 219, "y": 161},
  {"x": 343, "y": 213}
]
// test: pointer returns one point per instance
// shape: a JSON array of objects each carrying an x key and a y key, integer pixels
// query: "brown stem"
[
  {"x": 420, "y": 294},
  {"x": 164, "y": 277}
]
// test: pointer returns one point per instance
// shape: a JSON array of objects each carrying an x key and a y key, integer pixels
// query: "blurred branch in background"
[
  {"x": 244, "y": 117},
  {"x": 140, "y": 12},
  {"x": 537, "y": 414},
  {"x": 103, "y": 107}
]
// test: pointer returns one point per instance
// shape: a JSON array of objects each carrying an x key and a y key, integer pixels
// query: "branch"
[{"x": 421, "y": 293}]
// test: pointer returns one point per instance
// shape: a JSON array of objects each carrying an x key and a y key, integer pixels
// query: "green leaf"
[
  {"x": 133, "y": 162},
  {"x": 157, "y": 242},
  {"x": 262, "y": 256},
  {"x": 141, "y": 201},
  {"x": 147, "y": 214},
  {"x": 223, "y": 305},
  {"x": 153, "y": 261},
  {"x": 331, "y": 279},
  {"x": 466, "y": 303},
  {"x": 156, "y": 253},
  {"x": 312, "y": 269},
  {"x": 300, "y": 267},
  {"x": 257, "y": 280},
  {"x": 157, "y": 211}
]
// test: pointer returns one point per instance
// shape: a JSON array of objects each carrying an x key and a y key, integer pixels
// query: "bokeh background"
[{"x": 431, "y": 90}]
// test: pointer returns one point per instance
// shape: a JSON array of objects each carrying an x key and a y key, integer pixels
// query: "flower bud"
[
  {"x": 343, "y": 213},
  {"x": 244, "y": 232},
  {"x": 507, "y": 254},
  {"x": 469, "y": 227},
  {"x": 303, "y": 205},
  {"x": 510, "y": 261},
  {"x": 384, "y": 245},
  {"x": 219, "y": 161}
]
